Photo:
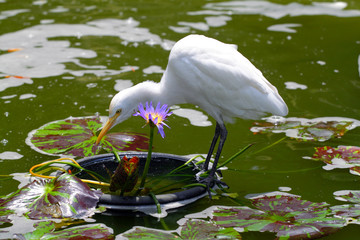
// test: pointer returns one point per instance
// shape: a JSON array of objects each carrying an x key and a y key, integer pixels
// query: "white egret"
[{"x": 212, "y": 75}]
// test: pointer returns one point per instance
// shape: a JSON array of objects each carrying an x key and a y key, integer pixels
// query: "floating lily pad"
[
  {"x": 284, "y": 214},
  {"x": 198, "y": 229},
  {"x": 302, "y": 129},
  {"x": 63, "y": 197},
  {"x": 4, "y": 215},
  {"x": 339, "y": 157},
  {"x": 352, "y": 196},
  {"x": 46, "y": 230},
  {"x": 77, "y": 137},
  {"x": 350, "y": 212},
  {"x": 149, "y": 234},
  {"x": 191, "y": 229}
]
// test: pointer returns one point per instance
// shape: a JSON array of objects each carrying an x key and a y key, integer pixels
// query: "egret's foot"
[{"x": 211, "y": 181}]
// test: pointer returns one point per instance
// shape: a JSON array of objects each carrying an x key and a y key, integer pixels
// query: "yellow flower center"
[{"x": 153, "y": 117}]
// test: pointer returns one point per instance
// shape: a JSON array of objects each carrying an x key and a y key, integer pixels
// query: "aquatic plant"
[{"x": 153, "y": 117}]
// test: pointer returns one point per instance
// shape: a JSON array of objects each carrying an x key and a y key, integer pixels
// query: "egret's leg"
[
  {"x": 223, "y": 135},
  {"x": 212, "y": 146},
  {"x": 210, "y": 179}
]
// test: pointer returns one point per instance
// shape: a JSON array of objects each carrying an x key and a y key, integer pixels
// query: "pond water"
[{"x": 60, "y": 59}]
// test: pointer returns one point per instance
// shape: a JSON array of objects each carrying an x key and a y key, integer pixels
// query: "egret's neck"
[
  {"x": 156, "y": 92},
  {"x": 147, "y": 92}
]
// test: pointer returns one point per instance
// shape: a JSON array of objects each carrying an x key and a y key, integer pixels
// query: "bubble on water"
[
  {"x": 322, "y": 63},
  {"x": 294, "y": 85},
  {"x": 4, "y": 141},
  {"x": 91, "y": 85}
]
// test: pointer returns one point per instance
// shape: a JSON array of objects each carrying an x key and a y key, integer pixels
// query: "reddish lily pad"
[
  {"x": 63, "y": 197},
  {"x": 191, "y": 229},
  {"x": 77, "y": 137},
  {"x": 339, "y": 157},
  {"x": 318, "y": 129},
  {"x": 287, "y": 215},
  {"x": 46, "y": 230}
]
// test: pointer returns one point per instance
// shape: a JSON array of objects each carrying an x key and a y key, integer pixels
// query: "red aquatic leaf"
[{"x": 126, "y": 175}]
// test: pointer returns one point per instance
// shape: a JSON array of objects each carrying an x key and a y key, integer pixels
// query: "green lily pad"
[
  {"x": 287, "y": 215},
  {"x": 77, "y": 137},
  {"x": 191, "y": 229},
  {"x": 46, "y": 230},
  {"x": 63, "y": 197},
  {"x": 149, "y": 234},
  {"x": 302, "y": 129},
  {"x": 198, "y": 229},
  {"x": 339, "y": 157}
]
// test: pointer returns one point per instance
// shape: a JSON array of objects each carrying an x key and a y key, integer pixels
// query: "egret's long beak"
[{"x": 108, "y": 125}]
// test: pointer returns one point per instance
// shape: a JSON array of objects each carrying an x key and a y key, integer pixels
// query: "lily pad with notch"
[{"x": 77, "y": 137}]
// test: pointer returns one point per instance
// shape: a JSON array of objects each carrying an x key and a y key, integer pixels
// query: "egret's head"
[{"x": 121, "y": 108}]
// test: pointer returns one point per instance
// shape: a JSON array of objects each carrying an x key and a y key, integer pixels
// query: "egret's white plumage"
[{"x": 210, "y": 74}]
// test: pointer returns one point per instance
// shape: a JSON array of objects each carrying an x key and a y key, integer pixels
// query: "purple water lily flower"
[{"x": 157, "y": 115}]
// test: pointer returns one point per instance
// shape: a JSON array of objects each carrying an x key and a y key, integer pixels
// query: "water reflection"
[
  {"x": 275, "y": 10},
  {"x": 13, "y": 82},
  {"x": 42, "y": 56}
]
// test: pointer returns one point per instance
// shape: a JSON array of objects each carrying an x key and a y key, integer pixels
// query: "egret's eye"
[{"x": 118, "y": 111}]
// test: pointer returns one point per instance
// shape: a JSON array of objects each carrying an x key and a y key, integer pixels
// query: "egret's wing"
[{"x": 220, "y": 80}]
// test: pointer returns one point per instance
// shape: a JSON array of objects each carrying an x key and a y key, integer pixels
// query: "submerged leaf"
[
  {"x": 318, "y": 129},
  {"x": 46, "y": 230},
  {"x": 286, "y": 215},
  {"x": 340, "y": 157},
  {"x": 63, "y": 197},
  {"x": 77, "y": 137}
]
